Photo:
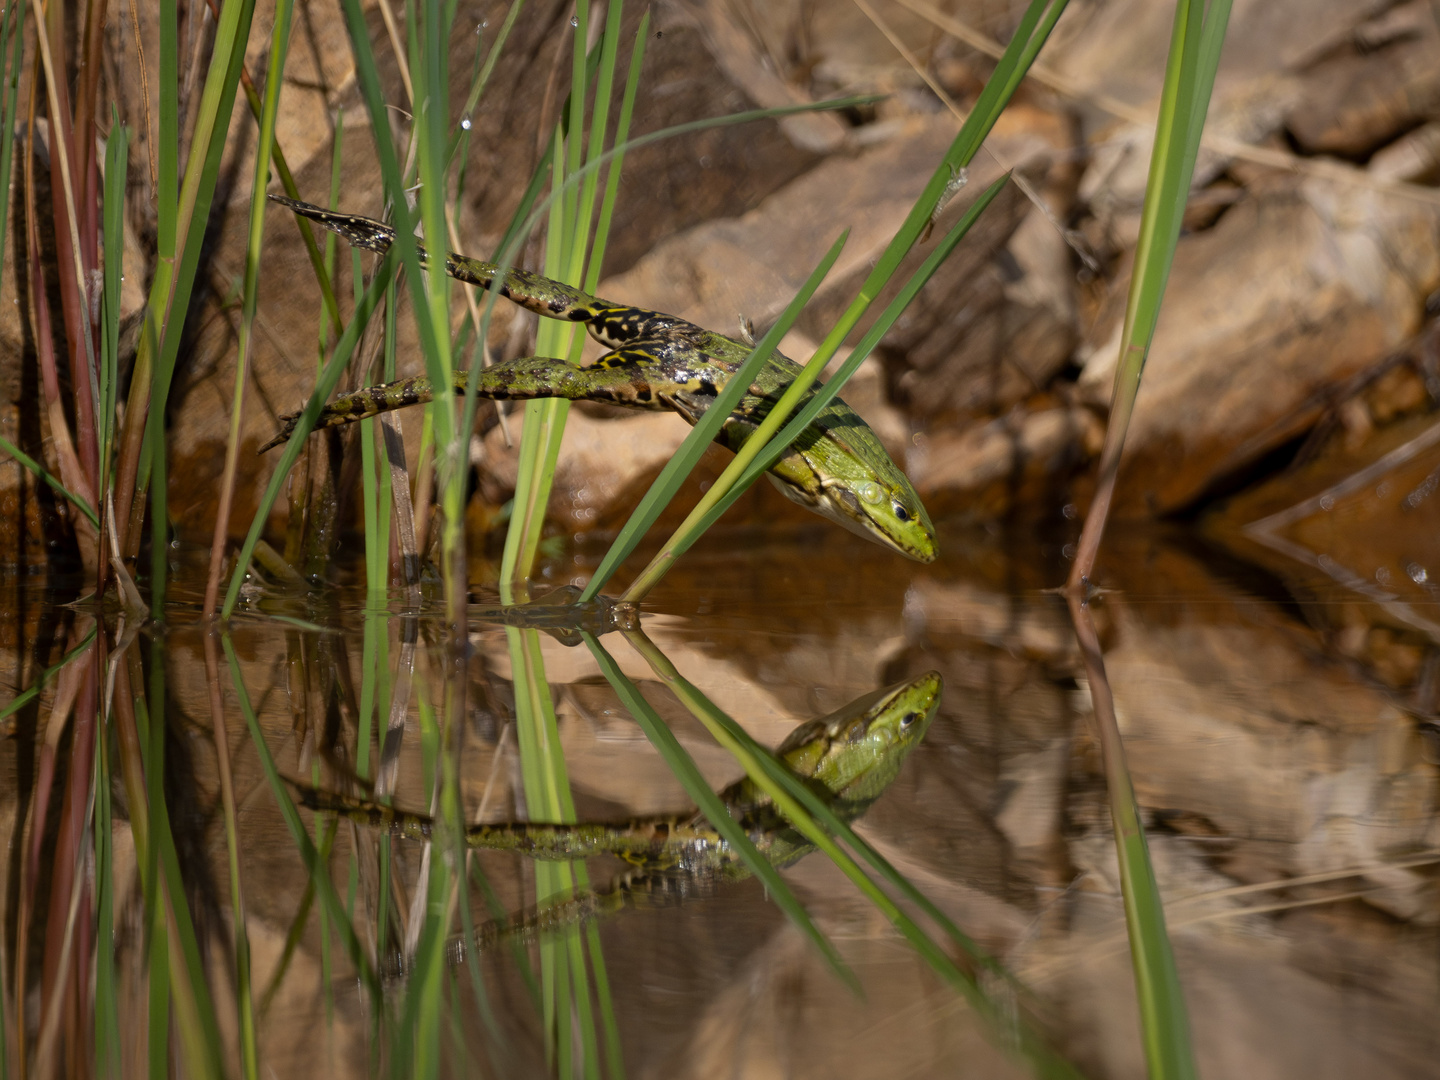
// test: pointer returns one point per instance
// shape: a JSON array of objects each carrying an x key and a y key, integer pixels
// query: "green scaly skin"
[
  {"x": 848, "y": 758},
  {"x": 837, "y": 467}
]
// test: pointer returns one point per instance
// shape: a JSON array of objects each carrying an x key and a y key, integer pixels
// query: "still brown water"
[{"x": 1280, "y": 727}]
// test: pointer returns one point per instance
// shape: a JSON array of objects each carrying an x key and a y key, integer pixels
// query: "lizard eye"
[
  {"x": 901, "y": 514},
  {"x": 869, "y": 492},
  {"x": 908, "y": 719}
]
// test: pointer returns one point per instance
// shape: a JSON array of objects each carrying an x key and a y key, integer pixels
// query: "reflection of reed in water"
[{"x": 848, "y": 759}]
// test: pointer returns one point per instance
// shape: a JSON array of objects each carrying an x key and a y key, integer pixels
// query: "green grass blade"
[
  {"x": 12, "y": 44},
  {"x": 279, "y": 46},
  {"x": 677, "y": 470},
  {"x": 617, "y": 159},
  {"x": 797, "y": 423},
  {"x": 482, "y": 78},
  {"x": 689, "y": 775},
  {"x": 117, "y": 159},
  {"x": 324, "y": 387},
  {"x": 202, "y": 172},
  {"x": 44, "y": 474}
]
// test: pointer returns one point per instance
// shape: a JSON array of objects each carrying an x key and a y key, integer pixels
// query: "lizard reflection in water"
[
  {"x": 837, "y": 467},
  {"x": 847, "y": 758}
]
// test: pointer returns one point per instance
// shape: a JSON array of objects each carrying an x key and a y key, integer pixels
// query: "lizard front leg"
[{"x": 611, "y": 324}]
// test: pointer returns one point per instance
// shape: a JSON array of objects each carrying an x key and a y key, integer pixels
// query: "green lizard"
[{"x": 837, "y": 467}]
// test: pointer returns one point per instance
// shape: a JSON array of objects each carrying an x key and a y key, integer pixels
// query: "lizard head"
[
  {"x": 855, "y": 752},
  {"x": 864, "y": 493}
]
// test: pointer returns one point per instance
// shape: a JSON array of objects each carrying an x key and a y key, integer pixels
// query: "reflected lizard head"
[{"x": 856, "y": 751}]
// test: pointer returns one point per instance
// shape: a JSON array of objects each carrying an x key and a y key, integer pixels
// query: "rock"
[
  {"x": 720, "y": 172},
  {"x": 1414, "y": 156},
  {"x": 1293, "y": 750},
  {"x": 1119, "y": 47},
  {"x": 1360, "y": 99},
  {"x": 988, "y": 469},
  {"x": 755, "y": 263},
  {"x": 1292, "y": 292}
]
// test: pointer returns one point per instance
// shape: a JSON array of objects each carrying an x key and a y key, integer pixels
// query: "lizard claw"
[{"x": 288, "y": 422}]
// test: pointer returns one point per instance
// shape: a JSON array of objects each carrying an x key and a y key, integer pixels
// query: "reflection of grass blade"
[
  {"x": 820, "y": 825},
  {"x": 107, "y": 1014},
  {"x": 548, "y": 798},
  {"x": 23, "y": 699},
  {"x": 297, "y": 925},
  {"x": 683, "y": 461},
  {"x": 194, "y": 1009},
  {"x": 249, "y": 1050},
  {"x": 316, "y": 868},
  {"x": 686, "y": 771}
]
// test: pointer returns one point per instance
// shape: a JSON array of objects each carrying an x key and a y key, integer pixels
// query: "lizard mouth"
[{"x": 860, "y": 523}]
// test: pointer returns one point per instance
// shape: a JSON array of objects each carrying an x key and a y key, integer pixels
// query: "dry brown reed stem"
[{"x": 80, "y": 321}]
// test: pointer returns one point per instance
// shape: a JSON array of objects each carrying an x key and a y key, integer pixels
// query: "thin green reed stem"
[
  {"x": 617, "y": 156},
  {"x": 171, "y": 295},
  {"x": 432, "y": 131},
  {"x": 166, "y": 199},
  {"x": 377, "y": 547},
  {"x": 483, "y": 78},
  {"x": 50, "y": 478},
  {"x": 1185, "y": 97},
  {"x": 12, "y": 44},
  {"x": 1195, "y": 48},
  {"x": 324, "y": 387},
  {"x": 117, "y": 163},
  {"x": 274, "y": 80}
]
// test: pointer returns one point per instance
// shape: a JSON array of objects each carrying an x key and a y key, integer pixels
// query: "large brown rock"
[{"x": 1292, "y": 292}]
